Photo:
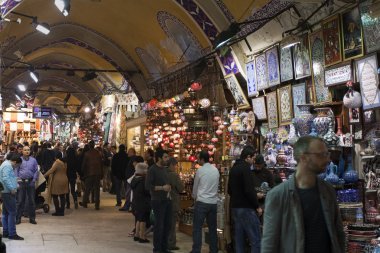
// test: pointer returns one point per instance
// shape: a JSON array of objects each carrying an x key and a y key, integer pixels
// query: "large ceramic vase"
[
  {"x": 331, "y": 176},
  {"x": 323, "y": 119},
  {"x": 292, "y": 137},
  {"x": 331, "y": 139},
  {"x": 351, "y": 175},
  {"x": 303, "y": 122}
]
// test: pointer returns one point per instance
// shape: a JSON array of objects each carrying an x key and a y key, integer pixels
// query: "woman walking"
[{"x": 58, "y": 184}]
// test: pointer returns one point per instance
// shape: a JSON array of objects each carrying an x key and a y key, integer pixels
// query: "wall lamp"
[
  {"x": 63, "y": 6},
  {"x": 41, "y": 27}
]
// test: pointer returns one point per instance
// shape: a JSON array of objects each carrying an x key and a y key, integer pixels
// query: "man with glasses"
[
  {"x": 27, "y": 175},
  {"x": 302, "y": 214}
]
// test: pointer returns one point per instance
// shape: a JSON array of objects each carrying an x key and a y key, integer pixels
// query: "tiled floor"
[{"x": 84, "y": 230}]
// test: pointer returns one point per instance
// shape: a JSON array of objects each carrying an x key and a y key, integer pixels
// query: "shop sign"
[{"x": 338, "y": 75}]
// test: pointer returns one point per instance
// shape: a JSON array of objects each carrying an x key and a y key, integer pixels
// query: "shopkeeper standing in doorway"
[{"x": 302, "y": 215}]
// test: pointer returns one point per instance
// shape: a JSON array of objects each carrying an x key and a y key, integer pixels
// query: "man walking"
[
  {"x": 301, "y": 214},
  {"x": 205, "y": 194},
  {"x": 27, "y": 175},
  {"x": 92, "y": 173},
  {"x": 244, "y": 202},
  {"x": 157, "y": 183},
  {"x": 9, "y": 182},
  {"x": 119, "y": 164}
]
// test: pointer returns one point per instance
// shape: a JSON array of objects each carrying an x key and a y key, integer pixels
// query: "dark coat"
[
  {"x": 141, "y": 197},
  {"x": 92, "y": 164},
  {"x": 48, "y": 158},
  {"x": 72, "y": 163},
  {"x": 119, "y": 164}
]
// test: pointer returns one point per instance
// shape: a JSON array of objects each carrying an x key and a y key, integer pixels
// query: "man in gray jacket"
[{"x": 302, "y": 214}]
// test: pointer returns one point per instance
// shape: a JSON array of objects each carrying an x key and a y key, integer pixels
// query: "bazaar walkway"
[{"x": 84, "y": 230}]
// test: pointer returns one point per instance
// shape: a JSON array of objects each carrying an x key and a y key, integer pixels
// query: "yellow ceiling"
[{"x": 119, "y": 24}]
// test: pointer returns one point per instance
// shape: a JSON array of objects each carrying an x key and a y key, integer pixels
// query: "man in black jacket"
[
  {"x": 118, "y": 166},
  {"x": 244, "y": 202}
]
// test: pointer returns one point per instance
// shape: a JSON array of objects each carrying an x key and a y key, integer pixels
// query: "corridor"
[{"x": 84, "y": 230}]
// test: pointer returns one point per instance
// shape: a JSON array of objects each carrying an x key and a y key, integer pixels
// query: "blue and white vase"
[
  {"x": 323, "y": 119},
  {"x": 302, "y": 123}
]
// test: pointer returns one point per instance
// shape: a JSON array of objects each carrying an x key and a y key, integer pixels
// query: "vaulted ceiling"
[{"x": 142, "y": 40}]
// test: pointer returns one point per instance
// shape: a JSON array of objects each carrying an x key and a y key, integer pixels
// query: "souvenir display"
[
  {"x": 286, "y": 64},
  {"x": 368, "y": 77},
  {"x": 322, "y": 93},
  {"x": 352, "y": 34},
  {"x": 261, "y": 72},
  {"x": 272, "y": 109},
  {"x": 325, "y": 116},
  {"x": 299, "y": 97},
  {"x": 332, "y": 42},
  {"x": 303, "y": 122},
  {"x": 251, "y": 79},
  {"x": 354, "y": 115},
  {"x": 273, "y": 66},
  {"x": 237, "y": 93},
  {"x": 301, "y": 57},
  {"x": 285, "y": 107},
  {"x": 338, "y": 75},
  {"x": 370, "y": 26},
  {"x": 259, "y": 108}
]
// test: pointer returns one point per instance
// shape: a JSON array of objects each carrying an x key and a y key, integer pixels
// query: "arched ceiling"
[{"x": 130, "y": 36}]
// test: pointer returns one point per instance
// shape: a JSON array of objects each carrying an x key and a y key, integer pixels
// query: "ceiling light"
[
  {"x": 87, "y": 109},
  {"x": 43, "y": 28},
  {"x": 290, "y": 41},
  {"x": 34, "y": 75},
  {"x": 18, "y": 97},
  {"x": 21, "y": 87},
  {"x": 63, "y": 6}
]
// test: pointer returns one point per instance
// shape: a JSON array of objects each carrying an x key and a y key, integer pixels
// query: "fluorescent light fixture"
[
  {"x": 21, "y": 87},
  {"x": 18, "y": 97},
  {"x": 87, "y": 109},
  {"x": 290, "y": 41},
  {"x": 63, "y": 6},
  {"x": 33, "y": 75},
  {"x": 43, "y": 28}
]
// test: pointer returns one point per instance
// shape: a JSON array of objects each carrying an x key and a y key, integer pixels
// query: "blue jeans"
[
  {"x": 26, "y": 191},
  {"x": 246, "y": 224},
  {"x": 9, "y": 214},
  {"x": 204, "y": 211},
  {"x": 162, "y": 220}
]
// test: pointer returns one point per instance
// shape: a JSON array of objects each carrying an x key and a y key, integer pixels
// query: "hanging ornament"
[
  {"x": 219, "y": 131},
  {"x": 352, "y": 98},
  {"x": 214, "y": 139},
  {"x": 204, "y": 103},
  {"x": 196, "y": 86}
]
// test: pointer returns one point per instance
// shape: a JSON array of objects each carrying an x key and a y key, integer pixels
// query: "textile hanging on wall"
[
  {"x": 112, "y": 129},
  {"x": 107, "y": 126},
  {"x": 121, "y": 128}
]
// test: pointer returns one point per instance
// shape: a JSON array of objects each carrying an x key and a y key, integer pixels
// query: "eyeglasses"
[{"x": 324, "y": 154}]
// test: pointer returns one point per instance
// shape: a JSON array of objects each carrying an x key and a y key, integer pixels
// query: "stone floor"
[{"x": 84, "y": 230}]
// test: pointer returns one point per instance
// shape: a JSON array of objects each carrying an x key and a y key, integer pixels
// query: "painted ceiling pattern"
[{"x": 181, "y": 31}]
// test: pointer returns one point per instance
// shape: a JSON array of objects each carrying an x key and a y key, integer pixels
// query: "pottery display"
[
  {"x": 331, "y": 139},
  {"x": 352, "y": 99},
  {"x": 292, "y": 137},
  {"x": 313, "y": 132},
  {"x": 282, "y": 159},
  {"x": 302, "y": 123},
  {"x": 351, "y": 175},
  {"x": 371, "y": 212},
  {"x": 323, "y": 119},
  {"x": 331, "y": 176}
]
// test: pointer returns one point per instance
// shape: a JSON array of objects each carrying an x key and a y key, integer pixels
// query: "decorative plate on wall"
[
  {"x": 301, "y": 57},
  {"x": 331, "y": 39},
  {"x": 299, "y": 97},
  {"x": 370, "y": 27},
  {"x": 273, "y": 66},
  {"x": 286, "y": 64},
  {"x": 322, "y": 93},
  {"x": 369, "y": 81},
  {"x": 272, "y": 109},
  {"x": 285, "y": 104},
  {"x": 234, "y": 86},
  {"x": 251, "y": 78},
  {"x": 352, "y": 34},
  {"x": 261, "y": 72},
  {"x": 259, "y": 108}
]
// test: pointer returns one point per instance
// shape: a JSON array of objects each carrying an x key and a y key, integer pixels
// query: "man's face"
[
  {"x": 250, "y": 159},
  {"x": 259, "y": 166},
  {"x": 26, "y": 151},
  {"x": 131, "y": 152},
  {"x": 165, "y": 159},
  {"x": 19, "y": 150},
  {"x": 173, "y": 166},
  {"x": 317, "y": 157}
]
